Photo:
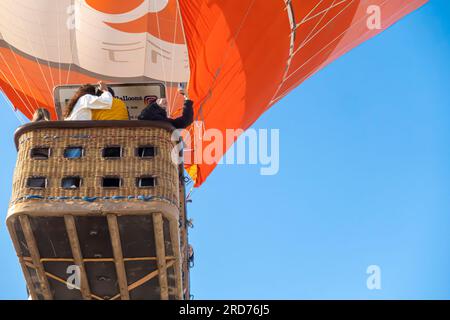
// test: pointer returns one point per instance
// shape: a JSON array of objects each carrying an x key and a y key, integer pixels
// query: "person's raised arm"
[
  {"x": 102, "y": 102},
  {"x": 187, "y": 117}
]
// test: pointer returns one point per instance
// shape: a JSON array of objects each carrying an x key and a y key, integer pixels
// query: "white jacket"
[{"x": 82, "y": 109}]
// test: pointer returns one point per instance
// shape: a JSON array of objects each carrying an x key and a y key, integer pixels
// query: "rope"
[
  {"x": 173, "y": 95},
  {"x": 161, "y": 49},
  {"x": 38, "y": 63},
  {"x": 225, "y": 58},
  {"x": 23, "y": 75}
]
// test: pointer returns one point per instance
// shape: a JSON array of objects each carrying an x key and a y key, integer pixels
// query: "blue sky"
[{"x": 364, "y": 180}]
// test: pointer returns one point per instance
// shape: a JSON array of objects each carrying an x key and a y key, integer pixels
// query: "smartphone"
[{"x": 182, "y": 89}]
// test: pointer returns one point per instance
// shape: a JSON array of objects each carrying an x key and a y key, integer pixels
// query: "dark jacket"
[{"x": 154, "y": 112}]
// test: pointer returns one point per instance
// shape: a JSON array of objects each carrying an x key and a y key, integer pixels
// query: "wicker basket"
[{"x": 119, "y": 241}]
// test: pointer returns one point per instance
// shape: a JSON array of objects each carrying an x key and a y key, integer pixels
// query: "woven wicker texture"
[{"x": 93, "y": 167}]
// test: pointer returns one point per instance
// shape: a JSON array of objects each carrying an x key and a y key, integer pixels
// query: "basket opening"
[
  {"x": 146, "y": 152},
  {"x": 37, "y": 182},
  {"x": 71, "y": 183},
  {"x": 73, "y": 152},
  {"x": 111, "y": 182},
  {"x": 112, "y": 152},
  {"x": 41, "y": 153},
  {"x": 146, "y": 182}
]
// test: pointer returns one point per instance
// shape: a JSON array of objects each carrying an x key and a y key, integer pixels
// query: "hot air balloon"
[{"x": 248, "y": 52}]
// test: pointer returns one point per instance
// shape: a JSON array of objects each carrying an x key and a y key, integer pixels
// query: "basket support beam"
[
  {"x": 118, "y": 256},
  {"x": 77, "y": 256},
  {"x": 34, "y": 252},
  {"x": 22, "y": 261},
  {"x": 161, "y": 255}
]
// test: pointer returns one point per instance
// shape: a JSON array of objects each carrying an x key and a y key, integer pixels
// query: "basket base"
[{"x": 104, "y": 257}]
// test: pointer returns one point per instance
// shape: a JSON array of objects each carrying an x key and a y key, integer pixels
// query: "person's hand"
[
  {"x": 102, "y": 86},
  {"x": 162, "y": 102},
  {"x": 182, "y": 92}
]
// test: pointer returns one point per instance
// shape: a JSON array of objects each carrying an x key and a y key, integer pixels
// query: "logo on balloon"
[
  {"x": 150, "y": 99},
  {"x": 159, "y": 19}
]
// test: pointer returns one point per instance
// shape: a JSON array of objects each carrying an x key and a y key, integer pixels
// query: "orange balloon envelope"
[{"x": 239, "y": 57}]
